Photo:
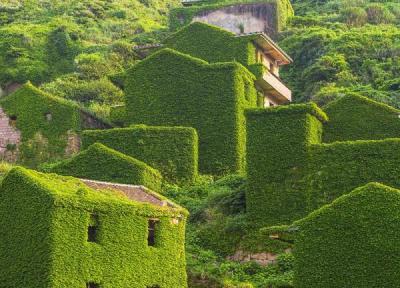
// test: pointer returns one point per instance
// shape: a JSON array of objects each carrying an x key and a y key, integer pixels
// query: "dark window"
[
  {"x": 13, "y": 121},
  {"x": 93, "y": 229},
  {"x": 152, "y": 230},
  {"x": 92, "y": 285},
  {"x": 48, "y": 116}
]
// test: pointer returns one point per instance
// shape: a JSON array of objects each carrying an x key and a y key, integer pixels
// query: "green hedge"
[
  {"x": 352, "y": 242},
  {"x": 173, "y": 89},
  {"x": 44, "y": 220},
  {"x": 277, "y": 153},
  {"x": 99, "y": 162},
  {"x": 171, "y": 150},
  {"x": 282, "y": 10},
  {"x": 355, "y": 117},
  {"x": 30, "y": 105}
]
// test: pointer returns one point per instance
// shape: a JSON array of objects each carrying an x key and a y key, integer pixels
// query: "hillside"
[
  {"x": 71, "y": 46},
  {"x": 344, "y": 46}
]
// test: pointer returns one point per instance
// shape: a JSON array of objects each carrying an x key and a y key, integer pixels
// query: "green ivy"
[
  {"x": 292, "y": 172},
  {"x": 99, "y": 162},
  {"x": 44, "y": 221},
  {"x": 173, "y": 89},
  {"x": 355, "y": 117},
  {"x": 351, "y": 242},
  {"x": 171, "y": 150},
  {"x": 31, "y": 106}
]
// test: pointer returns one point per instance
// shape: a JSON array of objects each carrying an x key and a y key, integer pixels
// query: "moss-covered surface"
[
  {"x": 50, "y": 215},
  {"x": 354, "y": 117},
  {"x": 99, "y": 162},
  {"x": 173, "y": 89},
  {"x": 30, "y": 106},
  {"x": 352, "y": 242},
  {"x": 281, "y": 11},
  {"x": 171, "y": 150}
]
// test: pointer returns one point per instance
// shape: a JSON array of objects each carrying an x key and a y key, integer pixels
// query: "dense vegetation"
[
  {"x": 73, "y": 48},
  {"x": 342, "y": 46}
]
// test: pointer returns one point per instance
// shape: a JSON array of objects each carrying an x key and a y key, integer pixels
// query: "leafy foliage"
[
  {"x": 354, "y": 229},
  {"x": 171, "y": 150},
  {"x": 343, "y": 46},
  {"x": 208, "y": 97},
  {"x": 50, "y": 215},
  {"x": 99, "y": 162}
]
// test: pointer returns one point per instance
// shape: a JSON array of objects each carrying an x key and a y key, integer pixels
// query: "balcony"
[{"x": 273, "y": 88}]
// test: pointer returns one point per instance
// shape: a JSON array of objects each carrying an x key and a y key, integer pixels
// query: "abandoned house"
[
  {"x": 207, "y": 97},
  {"x": 82, "y": 233},
  {"x": 30, "y": 116},
  {"x": 241, "y": 17},
  {"x": 360, "y": 230},
  {"x": 256, "y": 51}
]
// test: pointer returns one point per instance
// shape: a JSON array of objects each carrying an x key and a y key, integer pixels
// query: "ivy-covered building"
[
  {"x": 256, "y": 51},
  {"x": 171, "y": 150},
  {"x": 268, "y": 16},
  {"x": 62, "y": 232},
  {"x": 47, "y": 126},
  {"x": 351, "y": 242},
  {"x": 170, "y": 88},
  {"x": 292, "y": 171}
]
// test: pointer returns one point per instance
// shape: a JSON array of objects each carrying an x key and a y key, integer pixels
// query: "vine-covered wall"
[
  {"x": 171, "y": 150},
  {"x": 351, "y": 242},
  {"x": 173, "y": 89},
  {"x": 291, "y": 172},
  {"x": 49, "y": 215},
  {"x": 99, "y": 162},
  {"x": 354, "y": 117},
  {"x": 43, "y": 120},
  {"x": 214, "y": 45}
]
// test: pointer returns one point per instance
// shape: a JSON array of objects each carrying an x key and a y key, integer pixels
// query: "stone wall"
[
  {"x": 243, "y": 18},
  {"x": 10, "y": 138}
]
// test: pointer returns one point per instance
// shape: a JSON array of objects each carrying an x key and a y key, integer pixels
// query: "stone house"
[
  {"x": 29, "y": 114},
  {"x": 64, "y": 232}
]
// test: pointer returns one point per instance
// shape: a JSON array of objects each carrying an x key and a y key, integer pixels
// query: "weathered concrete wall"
[{"x": 242, "y": 18}]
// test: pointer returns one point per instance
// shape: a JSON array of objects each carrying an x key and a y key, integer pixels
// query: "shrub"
[
  {"x": 171, "y": 150},
  {"x": 99, "y": 162},
  {"x": 354, "y": 16}
]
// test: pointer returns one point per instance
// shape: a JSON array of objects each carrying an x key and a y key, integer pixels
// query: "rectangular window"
[
  {"x": 152, "y": 231},
  {"x": 93, "y": 228}
]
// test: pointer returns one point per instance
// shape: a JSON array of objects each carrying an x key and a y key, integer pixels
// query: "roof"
[
  {"x": 74, "y": 191},
  {"x": 133, "y": 192},
  {"x": 269, "y": 47}
]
